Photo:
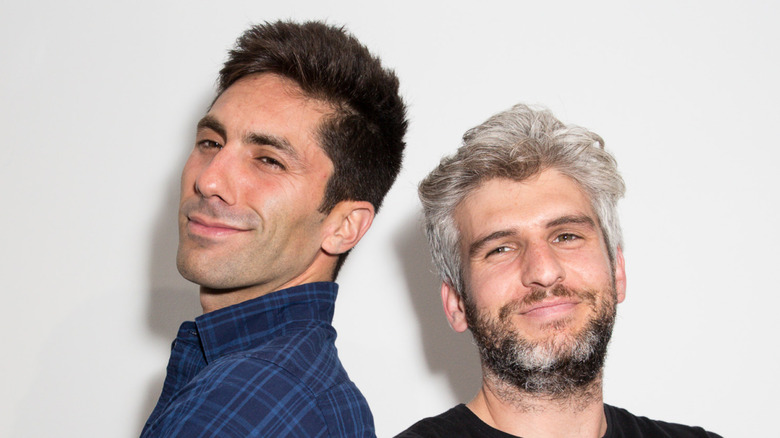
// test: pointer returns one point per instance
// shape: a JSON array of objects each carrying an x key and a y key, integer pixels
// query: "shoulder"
[
  {"x": 456, "y": 422},
  {"x": 309, "y": 360},
  {"x": 621, "y": 423},
  {"x": 246, "y": 394},
  {"x": 240, "y": 397},
  {"x": 304, "y": 351},
  {"x": 306, "y": 381}
]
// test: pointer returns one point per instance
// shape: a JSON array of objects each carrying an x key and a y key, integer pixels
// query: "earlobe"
[
  {"x": 347, "y": 223},
  {"x": 454, "y": 308},
  {"x": 620, "y": 275}
]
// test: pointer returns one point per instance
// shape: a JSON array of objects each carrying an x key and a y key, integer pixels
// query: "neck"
[
  {"x": 215, "y": 299},
  {"x": 577, "y": 413},
  {"x": 320, "y": 269}
]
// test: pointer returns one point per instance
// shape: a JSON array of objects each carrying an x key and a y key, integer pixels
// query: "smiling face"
[
  {"x": 539, "y": 281},
  {"x": 250, "y": 191}
]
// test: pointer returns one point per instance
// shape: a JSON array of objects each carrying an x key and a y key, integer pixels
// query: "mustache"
[
  {"x": 219, "y": 212},
  {"x": 538, "y": 295}
]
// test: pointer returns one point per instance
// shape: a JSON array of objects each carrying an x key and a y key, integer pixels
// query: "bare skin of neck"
[
  {"x": 511, "y": 410},
  {"x": 214, "y": 299}
]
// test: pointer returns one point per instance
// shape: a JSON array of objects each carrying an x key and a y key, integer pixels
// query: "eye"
[
  {"x": 209, "y": 144},
  {"x": 566, "y": 237},
  {"x": 271, "y": 162},
  {"x": 499, "y": 250}
]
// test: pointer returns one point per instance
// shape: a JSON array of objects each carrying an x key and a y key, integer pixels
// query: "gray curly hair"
[{"x": 517, "y": 144}]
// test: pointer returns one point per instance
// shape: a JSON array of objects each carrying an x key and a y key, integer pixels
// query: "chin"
[{"x": 198, "y": 273}]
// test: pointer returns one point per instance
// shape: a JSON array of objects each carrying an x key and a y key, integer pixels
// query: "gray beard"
[{"x": 562, "y": 366}]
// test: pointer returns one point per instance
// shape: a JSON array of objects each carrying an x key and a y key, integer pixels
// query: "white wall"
[{"x": 99, "y": 102}]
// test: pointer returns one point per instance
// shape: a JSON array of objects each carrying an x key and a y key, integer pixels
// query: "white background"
[{"x": 98, "y": 102}]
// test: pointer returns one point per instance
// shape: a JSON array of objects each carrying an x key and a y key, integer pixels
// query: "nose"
[
  {"x": 216, "y": 178},
  {"x": 541, "y": 266}
]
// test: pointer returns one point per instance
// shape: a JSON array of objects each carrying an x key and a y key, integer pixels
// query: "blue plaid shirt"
[{"x": 267, "y": 367}]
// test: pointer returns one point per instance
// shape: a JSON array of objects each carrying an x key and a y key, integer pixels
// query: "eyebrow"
[
  {"x": 276, "y": 142},
  {"x": 209, "y": 122},
  {"x": 572, "y": 219},
  {"x": 255, "y": 138},
  {"x": 475, "y": 247}
]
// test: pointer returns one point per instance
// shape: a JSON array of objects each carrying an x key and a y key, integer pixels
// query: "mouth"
[
  {"x": 205, "y": 226},
  {"x": 550, "y": 308}
]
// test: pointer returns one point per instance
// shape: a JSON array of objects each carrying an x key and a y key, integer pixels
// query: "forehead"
[
  {"x": 262, "y": 89},
  {"x": 501, "y": 203},
  {"x": 270, "y": 104}
]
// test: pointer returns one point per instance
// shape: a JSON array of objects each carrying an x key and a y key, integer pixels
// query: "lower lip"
[
  {"x": 207, "y": 231},
  {"x": 551, "y": 311}
]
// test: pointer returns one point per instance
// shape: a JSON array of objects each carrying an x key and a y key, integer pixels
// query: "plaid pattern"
[{"x": 267, "y": 367}]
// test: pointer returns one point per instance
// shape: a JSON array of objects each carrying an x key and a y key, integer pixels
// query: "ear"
[
  {"x": 620, "y": 275},
  {"x": 453, "y": 307},
  {"x": 346, "y": 225}
]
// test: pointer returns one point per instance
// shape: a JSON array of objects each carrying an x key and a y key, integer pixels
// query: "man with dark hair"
[
  {"x": 523, "y": 228},
  {"x": 290, "y": 165}
]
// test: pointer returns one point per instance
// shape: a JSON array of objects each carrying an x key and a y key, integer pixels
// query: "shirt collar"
[{"x": 240, "y": 326}]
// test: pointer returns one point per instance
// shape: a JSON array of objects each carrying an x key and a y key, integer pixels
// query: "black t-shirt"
[{"x": 461, "y": 422}]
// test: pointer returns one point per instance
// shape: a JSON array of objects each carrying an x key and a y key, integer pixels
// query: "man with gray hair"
[{"x": 524, "y": 232}]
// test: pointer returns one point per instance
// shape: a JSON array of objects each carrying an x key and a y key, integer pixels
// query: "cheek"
[
  {"x": 281, "y": 205},
  {"x": 589, "y": 273},
  {"x": 491, "y": 288}
]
